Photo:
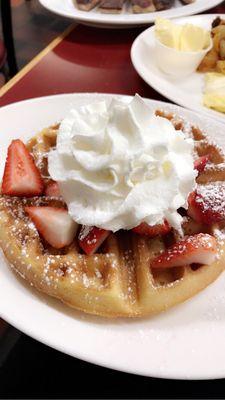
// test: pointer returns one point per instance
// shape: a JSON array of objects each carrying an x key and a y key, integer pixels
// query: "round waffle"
[{"x": 117, "y": 280}]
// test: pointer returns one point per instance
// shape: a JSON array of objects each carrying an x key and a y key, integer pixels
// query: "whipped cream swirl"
[{"x": 119, "y": 165}]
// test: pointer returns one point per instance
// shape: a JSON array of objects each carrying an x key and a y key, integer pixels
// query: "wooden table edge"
[{"x": 36, "y": 60}]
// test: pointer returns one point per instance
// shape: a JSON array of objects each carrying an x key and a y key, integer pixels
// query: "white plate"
[
  {"x": 67, "y": 8},
  {"x": 185, "y": 342},
  {"x": 188, "y": 91}
]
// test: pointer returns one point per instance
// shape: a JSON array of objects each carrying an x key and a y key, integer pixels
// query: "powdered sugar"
[{"x": 212, "y": 197}]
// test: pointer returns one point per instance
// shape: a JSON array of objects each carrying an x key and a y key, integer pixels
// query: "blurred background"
[{"x": 28, "y": 20}]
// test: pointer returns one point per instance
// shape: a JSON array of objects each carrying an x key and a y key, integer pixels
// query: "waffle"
[{"x": 116, "y": 281}]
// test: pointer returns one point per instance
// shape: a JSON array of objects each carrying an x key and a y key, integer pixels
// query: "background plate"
[
  {"x": 185, "y": 342},
  {"x": 67, "y": 8},
  {"x": 188, "y": 91}
]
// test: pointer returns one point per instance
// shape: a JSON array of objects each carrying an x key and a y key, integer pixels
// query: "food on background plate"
[
  {"x": 214, "y": 91},
  {"x": 142, "y": 6},
  {"x": 86, "y": 5},
  {"x": 137, "y": 6},
  {"x": 175, "y": 55},
  {"x": 187, "y": 37},
  {"x": 187, "y": 1},
  {"x": 111, "y": 6},
  {"x": 117, "y": 211},
  {"x": 214, "y": 60},
  {"x": 163, "y": 4},
  {"x": 151, "y": 5},
  {"x": 213, "y": 65},
  {"x": 179, "y": 49}
]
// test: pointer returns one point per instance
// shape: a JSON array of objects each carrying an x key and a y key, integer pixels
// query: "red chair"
[
  {"x": 5, "y": 12},
  {"x": 3, "y": 69},
  {"x": 2, "y": 55}
]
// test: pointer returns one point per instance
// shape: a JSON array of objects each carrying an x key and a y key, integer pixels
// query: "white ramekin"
[{"x": 178, "y": 63}]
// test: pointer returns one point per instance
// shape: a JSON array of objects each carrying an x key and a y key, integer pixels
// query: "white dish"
[
  {"x": 187, "y": 91},
  {"x": 175, "y": 344},
  {"x": 177, "y": 63},
  {"x": 66, "y": 8}
]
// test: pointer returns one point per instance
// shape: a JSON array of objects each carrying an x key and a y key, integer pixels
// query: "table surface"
[{"x": 83, "y": 59}]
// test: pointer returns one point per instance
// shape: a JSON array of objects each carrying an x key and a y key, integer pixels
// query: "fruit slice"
[
  {"x": 54, "y": 224},
  {"x": 207, "y": 203},
  {"x": 52, "y": 189},
  {"x": 90, "y": 238},
  {"x": 145, "y": 229},
  {"x": 21, "y": 176},
  {"x": 196, "y": 249},
  {"x": 201, "y": 162}
]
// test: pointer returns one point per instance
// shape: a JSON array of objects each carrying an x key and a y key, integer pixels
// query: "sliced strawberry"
[
  {"x": 54, "y": 224},
  {"x": 145, "y": 229},
  {"x": 201, "y": 162},
  {"x": 90, "y": 238},
  {"x": 21, "y": 176},
  {"x": 196, "y": 249},
  {"x": 52, "y": 189},
  {"x": 207, "y": 203}
]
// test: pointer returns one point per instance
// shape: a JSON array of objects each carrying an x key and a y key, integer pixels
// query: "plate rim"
[
  {"x": 133, "y": 19},
  {"x": 164, "y": 93},
  {"x": 48, "y": 340}
]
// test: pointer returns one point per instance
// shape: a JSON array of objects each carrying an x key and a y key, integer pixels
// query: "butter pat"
[
  {"x": 186, "y": 37},
  {"x": 167, "y": 32},
  {"x": 179, "y": 49},
  {"x": 214, "y": 95}
]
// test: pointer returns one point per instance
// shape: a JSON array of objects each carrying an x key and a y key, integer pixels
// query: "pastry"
[
  {"x": 187, "y": 1},
  {"x": 143, "y": 6},
  {"x": 86, "y": 5},
  {"x": 163, "y": 4},
  {"x": 111, "y": 6},
  {"x": 138, "y": 6}
]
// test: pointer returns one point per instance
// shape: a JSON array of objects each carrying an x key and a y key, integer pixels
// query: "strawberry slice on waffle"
[
  {"x": 52, "y": 189},
  {"x": 152, "y": 231},
  {"x": 201, "y": 163},
  {"x": 196, "y": 249},
  {"x": 207, "y": 204},
  {"x": 54, "y": 224},
  {"x": 21, "y": 176},
  {"x": 91, "y": 238}
]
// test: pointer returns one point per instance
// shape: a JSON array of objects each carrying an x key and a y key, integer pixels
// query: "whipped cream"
[{"x": 119, "y": 165}]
